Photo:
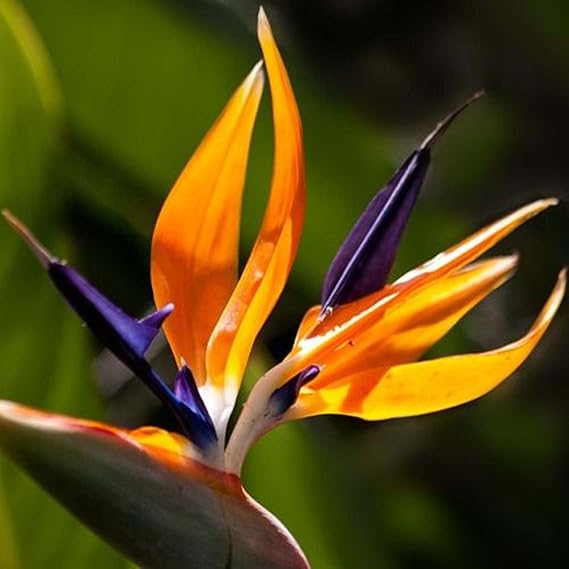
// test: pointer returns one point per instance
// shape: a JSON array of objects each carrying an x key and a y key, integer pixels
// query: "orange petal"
[
  {"x": 268, "y": 266},
  {"x": 356, "y": 317},
  {"x": 424, "y": 387},
  {"x": 476, "y": 244},
  {"x": 409, "y": 328},
  {"x": 196, "y": 238},
  {"x": 307, "y": 324}
]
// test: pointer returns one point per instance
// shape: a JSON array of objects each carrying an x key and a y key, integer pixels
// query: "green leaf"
[
  {"x": 43, "y": 355},
  {"x": 29, "y": 119},
  {"x": 9, "y": 558}
]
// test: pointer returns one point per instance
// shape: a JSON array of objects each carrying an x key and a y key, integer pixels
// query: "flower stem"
[{"x": 255, "y": 419}]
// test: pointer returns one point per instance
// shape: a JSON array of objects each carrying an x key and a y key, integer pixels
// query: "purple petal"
[
  {"x": 187, "y": 392},
  {"x": 116, "y": 329},
  {"x": 152, "y": 323},
  {"x": 363, "y": 262},
  {"x": 128, "y": 339},
  {"x": 185, "y": 384},
  {"x": 123, "y": 335},
  {"x": 286, "y": 395}
]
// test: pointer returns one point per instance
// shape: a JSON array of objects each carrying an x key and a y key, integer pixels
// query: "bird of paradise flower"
[{"x": 171, "y": 500}]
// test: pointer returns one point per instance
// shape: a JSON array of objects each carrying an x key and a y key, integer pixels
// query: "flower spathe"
[{"x": 355, "y": 354}]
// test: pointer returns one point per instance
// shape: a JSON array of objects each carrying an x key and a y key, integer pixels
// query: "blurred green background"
[{"x": 101, "y": 103}]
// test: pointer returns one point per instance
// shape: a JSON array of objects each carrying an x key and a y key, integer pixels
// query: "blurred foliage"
[{"x": 102, "y": 102}]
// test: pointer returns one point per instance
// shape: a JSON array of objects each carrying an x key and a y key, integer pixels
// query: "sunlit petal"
[
  {"x": 268, "y": 266},
  {"x": 409, "y": 328},
  {"x": 424, "y": 387},
  {"x": 196, "y": 238},
  {"x": 356, "y": 317},
  {"x": 475, "y": 245}
]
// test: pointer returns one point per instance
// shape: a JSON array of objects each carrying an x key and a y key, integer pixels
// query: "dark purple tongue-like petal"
[
  {"x": 363, "y": 262},
  {"x": 123, "y": 335},
  {"x": 187, "y": 392},
  {"x": 116, "y": 329},
  {"x": 286, "y": 395}
]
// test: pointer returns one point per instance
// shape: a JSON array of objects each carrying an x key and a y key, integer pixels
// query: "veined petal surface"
[
  {"x": 179, "y": 514},
  {"x": 196, "y": 238},
  {"x": 269, "y": 264},
  {"x": 423, "y": 387}
]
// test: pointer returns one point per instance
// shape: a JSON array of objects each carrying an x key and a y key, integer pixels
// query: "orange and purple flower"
[{"x": 173, "y": 500}]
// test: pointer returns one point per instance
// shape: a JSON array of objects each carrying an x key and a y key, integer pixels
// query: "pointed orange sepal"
[
  {"x": 409, "y": 328},
  {"x": 325, "y": 335},
  {"x": 423, "y": 387},
  {"x": 269, "y": 264},
  {"x": 196, "y": 238}
]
